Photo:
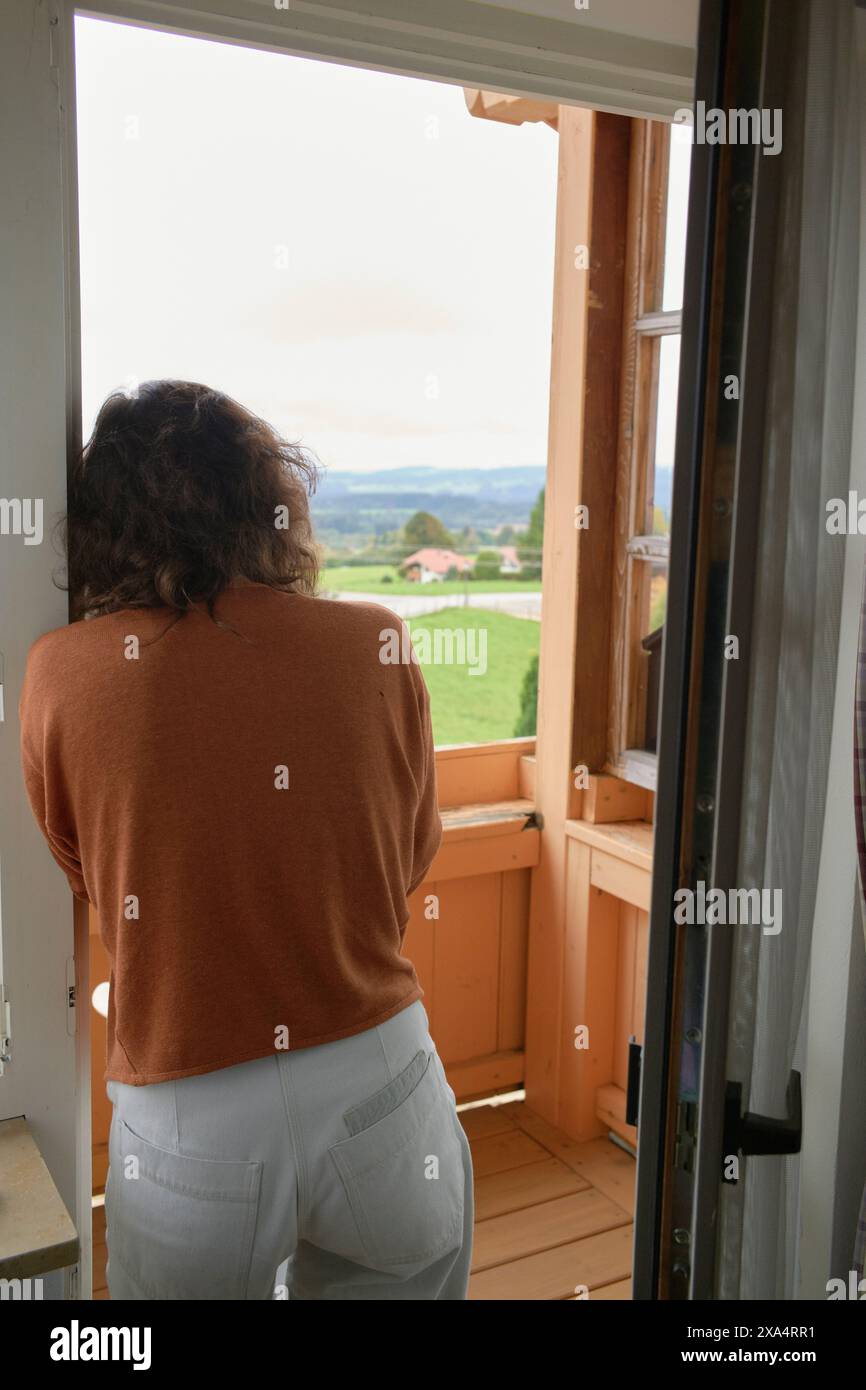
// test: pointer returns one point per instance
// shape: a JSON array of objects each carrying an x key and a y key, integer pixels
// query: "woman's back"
[{"x": 251, "y": 800}]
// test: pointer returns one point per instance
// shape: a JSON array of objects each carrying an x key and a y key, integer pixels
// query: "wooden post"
[{"x": 574, "y": 664}]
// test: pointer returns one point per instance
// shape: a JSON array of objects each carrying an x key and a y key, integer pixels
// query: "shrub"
[{"x": 528, "y": 718}]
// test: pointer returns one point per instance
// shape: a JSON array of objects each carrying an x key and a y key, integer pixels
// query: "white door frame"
[{"x": 39, "y": 382}]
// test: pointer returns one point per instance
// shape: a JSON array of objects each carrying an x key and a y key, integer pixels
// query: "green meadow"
[
  {"x": 385, "y": 579},
  {"x": 479, "y": 708}
]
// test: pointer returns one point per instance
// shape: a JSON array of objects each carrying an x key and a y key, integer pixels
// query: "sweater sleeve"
[
  {"x": 428, "y": 826},
  {"x": 61, "y": 847},
  {"x": 48, "y": 806}
]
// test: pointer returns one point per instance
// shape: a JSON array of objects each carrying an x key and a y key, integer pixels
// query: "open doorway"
[
  {"x": 395, "y": 315},
  {"x": 534, "y": 824}
]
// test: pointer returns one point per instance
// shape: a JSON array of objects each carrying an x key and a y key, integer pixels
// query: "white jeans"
[{"x": 347, "y": 1161}]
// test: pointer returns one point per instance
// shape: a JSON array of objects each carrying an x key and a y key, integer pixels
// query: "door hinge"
[
  {"x": 5, "y": 1028},
  {"x": 762, "y": 1134}
]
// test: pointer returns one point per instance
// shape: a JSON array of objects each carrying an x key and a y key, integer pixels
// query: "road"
[{"x": 525, "y": 605}]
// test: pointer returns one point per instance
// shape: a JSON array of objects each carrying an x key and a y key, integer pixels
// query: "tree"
[
  {"x": 424, "y": 529},
  {"x": 527, "y": 720},
  {"x": 532, "y": 541},
  {"x": 488, "y": 564}
]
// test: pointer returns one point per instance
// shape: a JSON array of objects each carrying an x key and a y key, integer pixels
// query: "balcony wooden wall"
[{"x": 469, "y": 929}]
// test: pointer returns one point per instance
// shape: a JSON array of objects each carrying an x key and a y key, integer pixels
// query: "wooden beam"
[
  {"x": 496, "y": 106},
  {"x": 589, "y": 1021},
  {"x": 486, "y": 772},
  {"x": 577, "y": 576},
  {"x": 600, "y": 438},
  {"x": 500, "y": 1071},
  {"x": 610, "y": 799},
  {"x": 559, "y": 627},
  {"x": 462, "y": 856},
  {"x": 631, "y": 841},
  {"x": 613, "y": 875}
]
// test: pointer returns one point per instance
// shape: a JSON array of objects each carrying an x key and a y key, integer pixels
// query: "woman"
[{"x": 239, "y": 779}]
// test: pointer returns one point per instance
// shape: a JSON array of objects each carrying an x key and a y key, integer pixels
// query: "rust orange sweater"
[{"x": 247, "y": 805}]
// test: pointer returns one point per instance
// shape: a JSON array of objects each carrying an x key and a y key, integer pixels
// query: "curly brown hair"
[{"x": 178, "y": 492}]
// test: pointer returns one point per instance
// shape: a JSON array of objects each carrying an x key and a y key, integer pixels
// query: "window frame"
[{"x": 646, "y": 323}]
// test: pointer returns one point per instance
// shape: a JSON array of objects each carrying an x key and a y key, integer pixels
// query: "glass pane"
[
  {"x": 666, "y": 424},
  {"x": 392, "y": 354},
  {"x": 678, "y": 199},
  {"x": 658, "y": 595}
]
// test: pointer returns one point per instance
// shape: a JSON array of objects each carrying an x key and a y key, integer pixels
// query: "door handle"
[{"x": 763, "y": 1134}]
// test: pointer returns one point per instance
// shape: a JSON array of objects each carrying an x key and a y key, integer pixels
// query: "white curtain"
[{"x": 797, "y": 610}]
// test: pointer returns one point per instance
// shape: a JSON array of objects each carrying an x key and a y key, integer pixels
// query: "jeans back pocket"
[
  {"x": 402, "y": 1169},
  {"x": 180, "y": 1227}
]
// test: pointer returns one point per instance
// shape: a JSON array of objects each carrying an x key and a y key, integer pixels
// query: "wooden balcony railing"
[{"x": 469, "y": 929}]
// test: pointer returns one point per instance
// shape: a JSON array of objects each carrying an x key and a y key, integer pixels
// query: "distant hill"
[
  {"x": 482, "y": 497},
  {"x": 365, "y": 504}
]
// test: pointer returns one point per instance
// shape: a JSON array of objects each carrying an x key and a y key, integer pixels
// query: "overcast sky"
[{"x": 347, "y": 252}]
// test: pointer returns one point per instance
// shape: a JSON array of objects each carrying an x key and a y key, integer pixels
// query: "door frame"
[{"x": 498, "y": 49}]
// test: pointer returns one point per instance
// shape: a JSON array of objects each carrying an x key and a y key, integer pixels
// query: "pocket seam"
[
  {"x": 392, "y": 1086},
  {"x": 248, "y": 1200},
  {"x": 392, "y": 1153},
  {"x": 251, "y": 1177},
  {"x": 350, "y": 1178}
]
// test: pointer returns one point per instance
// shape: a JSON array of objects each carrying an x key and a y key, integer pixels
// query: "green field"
[
  {"x": 370, "y": 579},
  {"x": 476, "y": 708}
]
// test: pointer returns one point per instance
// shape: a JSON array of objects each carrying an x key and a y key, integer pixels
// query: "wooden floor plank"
[
  {"x": 603, "y": 1164},
  {"x": 484, "y": 1121},
  {"x": 556, "y": 1274},
  {"x": 608, "y": 1169},
  {"x": 533, "y": 1229},
  {"x": 524, "y": 1187},
  {"x": 620, "y": 1290},
  {"x": 502, "y": 1151}
]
